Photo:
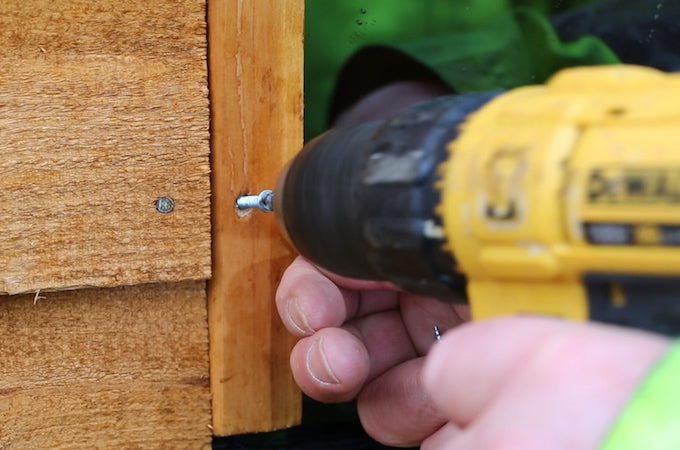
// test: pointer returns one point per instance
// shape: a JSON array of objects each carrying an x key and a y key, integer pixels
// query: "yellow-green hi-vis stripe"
[{"x": 652, "y": 419}]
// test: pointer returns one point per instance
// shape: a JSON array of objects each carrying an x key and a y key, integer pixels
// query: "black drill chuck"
[{"x": 362, "y": 201}]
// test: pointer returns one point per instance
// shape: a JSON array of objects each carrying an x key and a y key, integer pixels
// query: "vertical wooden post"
[{"x": 255, "y": 71}]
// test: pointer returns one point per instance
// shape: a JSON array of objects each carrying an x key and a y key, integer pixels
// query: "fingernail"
[
  {"x": 298, "y": 317},
  {"x": 318, "y": 366}
]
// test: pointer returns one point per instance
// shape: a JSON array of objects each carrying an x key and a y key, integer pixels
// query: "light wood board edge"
[{"x": 256, "y": 84}]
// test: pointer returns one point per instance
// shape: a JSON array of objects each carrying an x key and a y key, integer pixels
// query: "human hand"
[
  {"x": 364, "y": 340},
  {"x": 526, "y": 383},
  {"x": 535, "y": 383}
]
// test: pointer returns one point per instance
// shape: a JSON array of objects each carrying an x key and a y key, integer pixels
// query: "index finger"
[{"x": 308, "y": 299}]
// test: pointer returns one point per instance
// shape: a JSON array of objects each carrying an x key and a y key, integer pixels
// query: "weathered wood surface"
[
  {"x": 256, "y": 63},
  {"x": 103, "y": 109},
  {"x": 105, "y": 368}
]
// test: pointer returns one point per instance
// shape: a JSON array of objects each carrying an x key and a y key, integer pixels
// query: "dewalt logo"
[{"x": 632, "y": 185}]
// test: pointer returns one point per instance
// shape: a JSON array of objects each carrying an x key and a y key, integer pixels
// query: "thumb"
[{"x": 502, "y": 378}]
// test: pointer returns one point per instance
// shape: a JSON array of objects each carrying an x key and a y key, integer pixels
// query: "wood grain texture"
[
  {"x": 106, "y": 368},
  {"x": 256, "y": 63},
  {"x": 103, "y": 109}
]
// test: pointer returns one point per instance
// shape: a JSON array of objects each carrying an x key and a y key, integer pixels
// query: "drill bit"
[{"x": 263, "y": 201}]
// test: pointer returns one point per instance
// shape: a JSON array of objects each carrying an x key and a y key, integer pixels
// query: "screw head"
[{"x": 165, "y": 204}]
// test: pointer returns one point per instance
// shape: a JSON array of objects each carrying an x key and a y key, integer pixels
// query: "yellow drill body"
[{"x": 546, "y": 185}]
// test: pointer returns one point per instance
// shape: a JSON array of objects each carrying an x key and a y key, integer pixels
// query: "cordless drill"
[{"x": 559, "y": 199}]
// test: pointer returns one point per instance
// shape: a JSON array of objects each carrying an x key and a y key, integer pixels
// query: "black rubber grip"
[{"x": 361, "y": 201}]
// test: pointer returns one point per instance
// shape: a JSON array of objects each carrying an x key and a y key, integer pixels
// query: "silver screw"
[
  {"x": 165, "y": 204},
  {"x": 437, "y": 334},
  {"x": 263, "y": 201}
]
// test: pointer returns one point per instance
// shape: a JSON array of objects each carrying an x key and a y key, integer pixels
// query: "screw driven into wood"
[
  {"x": 165, "y": 205},
  {"x": 263, "y": 201}
]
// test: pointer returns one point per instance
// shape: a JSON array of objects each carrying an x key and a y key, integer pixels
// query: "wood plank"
[
  {"x": 114, "y": 368},
  {"x": 103, "y": 109},
  {"x": 256, "y": 63}
]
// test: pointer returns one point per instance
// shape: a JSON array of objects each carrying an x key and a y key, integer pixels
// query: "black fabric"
[
  {"x": 641, "y": 32},
  {"x": 341, "y": 436}
]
